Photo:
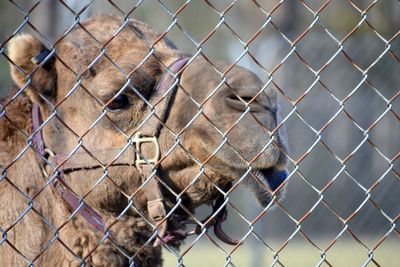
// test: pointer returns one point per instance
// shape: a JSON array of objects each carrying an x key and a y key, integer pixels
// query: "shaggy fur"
[{"x": 29, "y": 238}]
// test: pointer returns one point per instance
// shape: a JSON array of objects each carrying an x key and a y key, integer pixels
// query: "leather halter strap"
[
  {"x": 87, "y": 212},
  {"x": 161, "y": 101},
  {"x": 163, "y": 97}
]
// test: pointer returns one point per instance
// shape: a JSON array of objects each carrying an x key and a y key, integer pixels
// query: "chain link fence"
[{"x": 335, "y": 67}]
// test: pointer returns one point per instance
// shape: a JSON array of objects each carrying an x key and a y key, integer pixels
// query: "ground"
[{"x": 296, "y": 254}]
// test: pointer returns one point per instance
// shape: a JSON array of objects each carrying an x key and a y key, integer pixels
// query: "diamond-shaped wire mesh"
[{"x": 277, "y": 124}]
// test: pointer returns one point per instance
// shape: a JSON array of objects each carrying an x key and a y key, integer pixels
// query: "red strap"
[
  {"x": 90, "y": 215},
  {"x": 87, "y": 212}
]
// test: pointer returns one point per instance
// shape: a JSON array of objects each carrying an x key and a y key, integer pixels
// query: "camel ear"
[{"x": 31, "y": 59}]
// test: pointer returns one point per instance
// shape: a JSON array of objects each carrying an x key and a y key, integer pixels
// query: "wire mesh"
[{"x": 334, "y": 66}]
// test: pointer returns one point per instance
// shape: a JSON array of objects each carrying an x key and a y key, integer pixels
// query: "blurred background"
[{"x": 336, "y": 65}]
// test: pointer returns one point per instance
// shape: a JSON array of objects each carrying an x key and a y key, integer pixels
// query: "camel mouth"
[
  {"x": 273, "y": 177},
  {"x": 266, "y": 184}
]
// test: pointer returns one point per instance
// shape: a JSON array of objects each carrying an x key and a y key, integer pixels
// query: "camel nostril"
[
  {"x": 241, "y": 103},
  {"x": 243, "y": 99},
  {"x": 247, "y": 99}
]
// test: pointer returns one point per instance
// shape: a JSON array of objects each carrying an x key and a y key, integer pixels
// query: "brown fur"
[{"x": 31, "y": 239}]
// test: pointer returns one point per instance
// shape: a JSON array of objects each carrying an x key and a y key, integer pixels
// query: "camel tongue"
[
  {"x": 221, "y": 234},
  {"x": 179, "y": 234},
  {"x": 162, "y": 229},
  {"x": 220, "y": 217},
  {"x": 215, "y": 221},
  {"x": 274, "y": 177}
]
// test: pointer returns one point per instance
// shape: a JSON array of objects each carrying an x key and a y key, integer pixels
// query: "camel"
[{"x": 94, "y": 93}]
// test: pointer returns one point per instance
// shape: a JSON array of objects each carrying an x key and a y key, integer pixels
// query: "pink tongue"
[
  {"x": 176, "y": 235},
  {"x": 168, "y": 238}
]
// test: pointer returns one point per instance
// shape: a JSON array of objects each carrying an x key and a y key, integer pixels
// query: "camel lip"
[{"x": 273, "y": 177}]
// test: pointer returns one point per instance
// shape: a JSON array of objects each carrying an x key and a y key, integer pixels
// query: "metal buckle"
[{"x": 139, "y": 140}]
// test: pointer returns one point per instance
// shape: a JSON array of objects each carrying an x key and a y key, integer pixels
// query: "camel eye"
[{"x": 119, "y": 102}]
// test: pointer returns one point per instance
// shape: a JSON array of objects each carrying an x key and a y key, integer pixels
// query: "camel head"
[
  {"x": 230, "y": 127},
  {"x": 93, "y": 92}
]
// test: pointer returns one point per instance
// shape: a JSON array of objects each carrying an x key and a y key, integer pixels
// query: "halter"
[{"x": 138, "y": 157}]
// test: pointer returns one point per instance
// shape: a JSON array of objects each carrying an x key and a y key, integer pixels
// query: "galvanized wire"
[{"x": 271, "y": 73}]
